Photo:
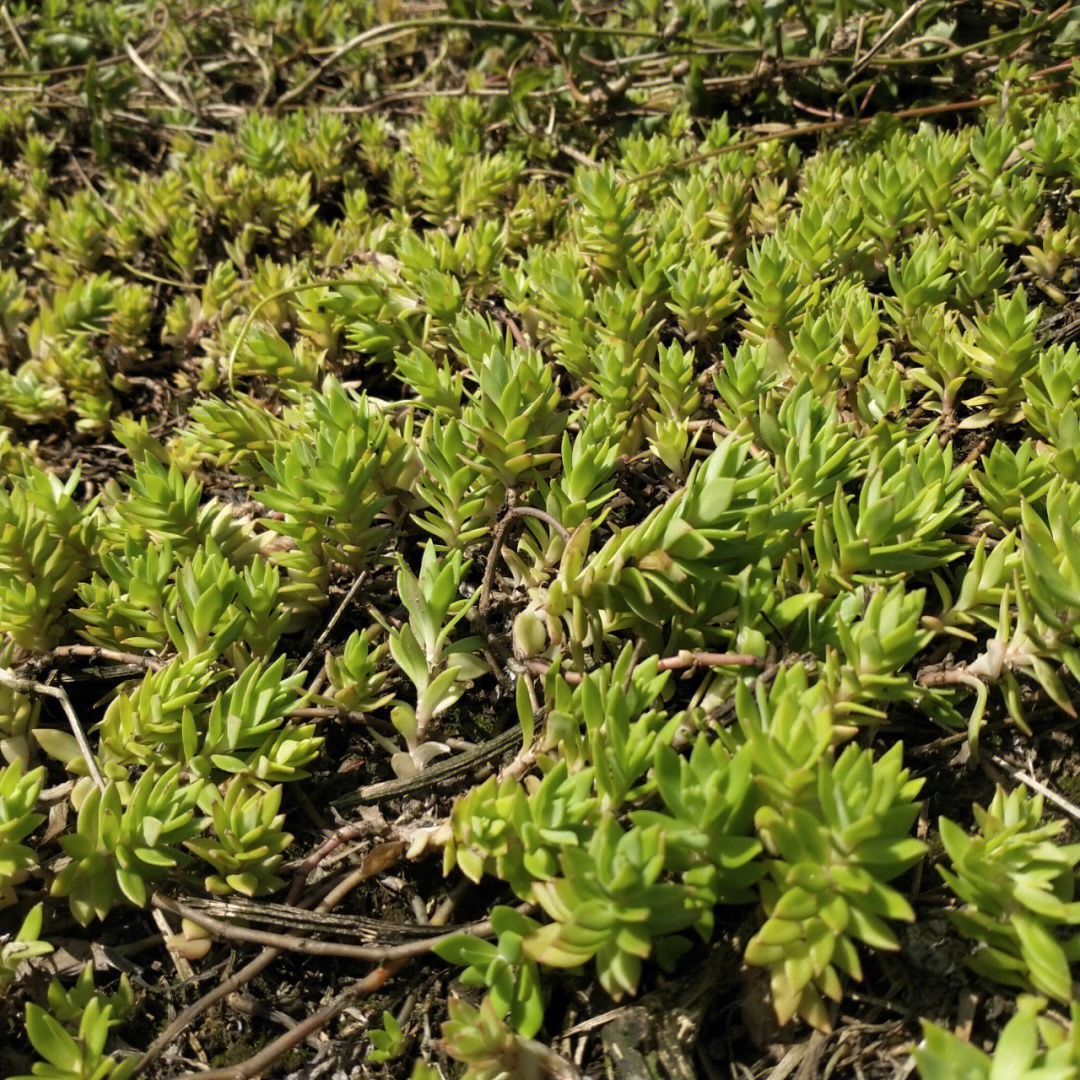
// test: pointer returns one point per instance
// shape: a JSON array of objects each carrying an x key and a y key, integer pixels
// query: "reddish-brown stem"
[
  {"x": 683, "y": 660},
  {"x": 497, "y": 542}
]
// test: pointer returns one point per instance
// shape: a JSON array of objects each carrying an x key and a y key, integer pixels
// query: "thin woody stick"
[
  {"x": 372, "y": 982},
  {"x": 295, "y": 943},
  {"x": 30, "y": 686}
]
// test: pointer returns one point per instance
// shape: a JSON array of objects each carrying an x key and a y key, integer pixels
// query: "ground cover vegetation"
[{"x": 539, "y": 539}]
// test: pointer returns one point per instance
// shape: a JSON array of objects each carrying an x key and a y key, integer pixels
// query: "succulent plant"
[
  {"x": 82, "y": 1054},
  {"x": 709, "y": 801},
  {"x": 46, "y": 540},
  {"x": 387, "y": 1042},
  {"x": 684, "y": 422},
  {"x": 835, "y": 832},
  {"x": 502, "y": 830},
  {"x": 121, "y": 844},
  {"x": 18, "y": 796},
  {"x": 611, "y": 906},
  {"x": 488, "y": 1046},
  {"x": 358, "y": 681},
  {"x": 1030, "y": 1045},
  {"x": 245, "y": 732},
  {"x": 25, "y": 945},
  {"x": 1017, "y": 887},
  {"x": 19, "y": 715},
  {"x": 247, "y": 842},
  {"x": 440, "y": 670},
  {"x": 67, "y": 1006},
  {"x": 511, "y": 978}
]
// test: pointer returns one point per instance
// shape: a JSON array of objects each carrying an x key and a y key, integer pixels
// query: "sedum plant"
[
  {"x": 387, "y": 1042},
  {"x": 836, "y": 831},
  {"x": 490, "y": 1049},
  {"x": 703, "y": 293},
  {"x": 121, "y": 844},
  {"x": 450, "y": 486},
  {"x": 25, "y": 945},
  {"x": 676, "y": 401},
  {"x": 500, "y": 829},
  {"x": 1016, "y": 885},
  {"x": 46, "y": 539},
  {"x": 1001, "y": 350},
  {"x": 512, "y": 416},
  {"x": 709, "y": 802},
  {"x": 201, "y": 607},
  {"x": 125, "y": 609},
  {"x": 170, "y": 719},
  {"x": 66, "y": 1056},
  {"x": 756, "y": 427},
  {"x": 669, "y": 569},
  {"x": 612, "y": 721},
  {"x": 910, "y": 500},
  {"x": 355, "y": 673},
  {"x": 1031, "y": 1046},
  {"x": 247, "y": 843},
  {"x": 18, "y": 795},
  {"x": 440, "y": 670},
  {"x": 512, "y": 979},
  {"x": 1008, "y": 479},
  {"x": 229, "y": 434},
  {"x": 325, "y": 483},
  {"x": 145, "y": 725},
  {"x": 19, "y": 714},
  {"x": 246, "y": 733},
  {"x": 610, "y": 905},
  {"x": 67, "y": 1006}
]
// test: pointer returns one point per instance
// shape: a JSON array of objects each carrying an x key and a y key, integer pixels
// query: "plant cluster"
[{"x": 418, "y": 362}]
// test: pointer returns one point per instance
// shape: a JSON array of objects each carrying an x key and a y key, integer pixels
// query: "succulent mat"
[{"x": 539, "y": 539}]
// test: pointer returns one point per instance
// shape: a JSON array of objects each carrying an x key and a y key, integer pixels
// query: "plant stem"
[
  {"x": 374, "y": 981},
  {"x": 298, "y": 944},
  {"x": 29, "y": 686},
  {"x": 685, "y": 659},
  {"x": 497, "y": 540}
]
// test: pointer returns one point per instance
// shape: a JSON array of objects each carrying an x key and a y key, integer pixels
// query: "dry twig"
[
  {"x": 30, "y": 686},
  {"x": 368, "y": 985}
]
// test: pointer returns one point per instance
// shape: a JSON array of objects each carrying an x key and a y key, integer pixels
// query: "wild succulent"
[
  {"x": 116, "y": 848},
  {"x": 247, "y": 842},
  {"x": 1017, "y": 886},
  {"x": 65, "y": 1055},
  {"x": 440, "y": 670},
  {"x": 1030, "y": 1045},
  {"x": 342, "y": 398},
  {"x": 18, "y": 795}
]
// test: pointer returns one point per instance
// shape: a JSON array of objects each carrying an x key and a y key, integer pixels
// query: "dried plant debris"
[{"x": 539, "y": 540}]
